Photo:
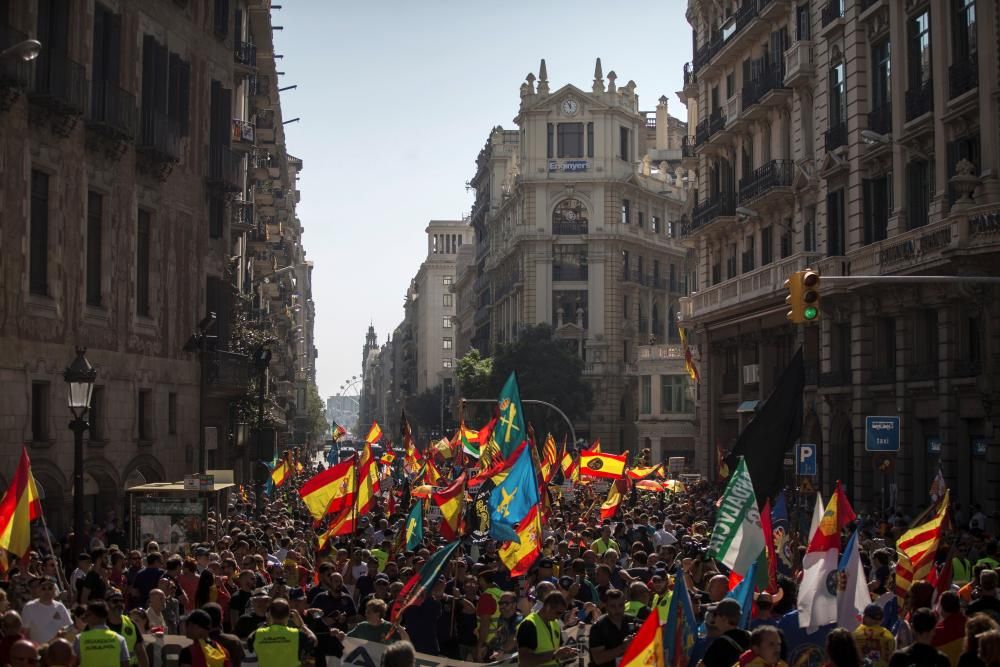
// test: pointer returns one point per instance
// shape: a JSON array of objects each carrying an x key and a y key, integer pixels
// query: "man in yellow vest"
[
  {"x": 98, "y": 646},
  {"x": 539, "y": 637},
  {"x": 488, "y": 611},
  {"x": 284, "y": 641},
  {"x": 124, "y": 626},
  {"x": 604, "y": 542}
]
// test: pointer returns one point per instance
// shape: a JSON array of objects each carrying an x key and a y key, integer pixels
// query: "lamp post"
[
  {"x": 27, "y": 51},
  {"x": 80, "y": 376}
]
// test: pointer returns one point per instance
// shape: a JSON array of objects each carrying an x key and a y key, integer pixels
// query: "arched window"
[{"x": 569, "y": 217}]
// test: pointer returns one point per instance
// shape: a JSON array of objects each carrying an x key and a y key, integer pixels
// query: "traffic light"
[{"x": 803, "y": 296}]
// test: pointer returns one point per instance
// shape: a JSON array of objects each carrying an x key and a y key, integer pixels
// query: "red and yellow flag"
[
  {"x": 432, "y": 475},
  {"x": 282, "y": 471},
  {"x": 644, "y": 472},
  {"x": 520, "y": 557},
  {"x": 608, "y": 466},
  {"x": 18, "y": 508},
  {"x": 451, "y": 500},
  {"x": 373, "y": 434},
  {"x": 368, "y": 483},
  {"x": 329, "y": 491},
  {"x": 918, "y": 547},
  {"x": 342, "y": 524},
  {"x": 689, "y": 366},
  {"x": 646, "y": 647},
  {"x": 615, "y": 496},
  {"x": 550, "y": 457}
]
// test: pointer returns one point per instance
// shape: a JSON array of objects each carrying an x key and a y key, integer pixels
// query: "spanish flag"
[
  {"x": 644, "y": 472},
  {"x": 329, "y": 491},
  {"x": 647, "y": 645},
  {"x": 432, "y": 475},
  {"x": 569, "y": 466},
  {"x": 373, "y": 434},
  {"x": 342, "y": 524},
  {"x": 280, "y": 473},
  {"x": 610, "y": 506},
  {"x": 520, "y": 557},
  {"x": 368, "y": 482},
  {"x": 18, "y": 508},
  {"x": 689, "y": 366},
  {"x": 451, "y": 500},
  {"x": 608, "y": 466}
]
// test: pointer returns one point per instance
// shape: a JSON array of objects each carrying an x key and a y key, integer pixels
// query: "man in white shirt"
[
  {"x": 42, "y": 618},
  {"x": 663, "y": 536}
]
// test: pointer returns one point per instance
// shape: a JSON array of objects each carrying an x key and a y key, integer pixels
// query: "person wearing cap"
[
  {"x": 545, "y": 570},
  {"x": 98, "y": 645},
  {"x": 124, "y": 626},
  {"x": 875, "y": 643},
  {"x": 728, "y": 641},
  {"x": 539, "y": 637},
  {"x": 256, "y": 616},
  {"x": 203, "y": 649},
  {"x": 278, "y": 644}
]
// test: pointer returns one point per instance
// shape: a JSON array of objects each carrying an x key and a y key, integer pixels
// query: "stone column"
[
  {"x": 897, "y": 61},
  {"x": 862, "y": 335},
  {"x": 940, "y": 41},
  {"x": 543, "y": 288},
  {"x": 595, "y": 294},
  {"x": 948, "y": 426},
  {"x": 989, "y": 108}
]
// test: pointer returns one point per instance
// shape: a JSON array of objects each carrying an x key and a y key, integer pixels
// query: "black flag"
[{"x": 773, "y": 432}]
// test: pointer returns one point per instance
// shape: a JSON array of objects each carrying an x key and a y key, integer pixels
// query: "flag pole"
[{"x": 48, "y": 540}]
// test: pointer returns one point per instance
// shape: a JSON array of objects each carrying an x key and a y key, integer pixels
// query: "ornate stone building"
[
  {"x": 145, "y": 184},
  {"x": 576, "y": 217},
  {"x": 858, "y": 139}
]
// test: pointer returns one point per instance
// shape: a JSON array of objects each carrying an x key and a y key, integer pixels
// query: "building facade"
[
  {"x": 130, "y": 150},
  {"x": 576, "y": 217},
  {"x": 859, "y": 139}
]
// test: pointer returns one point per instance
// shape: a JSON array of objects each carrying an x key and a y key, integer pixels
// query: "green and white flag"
[{"x": 737, "y": 538}]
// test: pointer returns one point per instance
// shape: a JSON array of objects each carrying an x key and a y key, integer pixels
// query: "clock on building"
[{"x": 570, "y": 107}]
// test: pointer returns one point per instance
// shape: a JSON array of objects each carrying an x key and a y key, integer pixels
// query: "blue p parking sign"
[
  {"x": 805, "y": 459},
  {"x": 882, "y": 434}
]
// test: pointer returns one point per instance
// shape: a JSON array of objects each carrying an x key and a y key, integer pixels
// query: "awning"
[{"x": 747, "y": 407}]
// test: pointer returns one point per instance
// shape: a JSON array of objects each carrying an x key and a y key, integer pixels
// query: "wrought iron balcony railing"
[
  {"x": 880, "y": 119},
  {"x": 836, "y": 136},
  {"x": 59, "y": 82},
  {"x": 920, "y": 100},
  {"x": 963, "y": 76},
  {"x": 159, "y": 135},
  {"x": 774, "y": 174},
  {"x": 112, "y": 110}
]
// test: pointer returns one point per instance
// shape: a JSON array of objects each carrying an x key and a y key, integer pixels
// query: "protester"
[
  {"x": 203, "y": 649},
  {"x": 98, "y": 646},
  {"x": 539, "y": 637},
  {"x": 43, "y": 617},
  {"x": 843, "y": 651},
  {"x": 278, "y": 644},
  {"x": 920, "y": 652}
]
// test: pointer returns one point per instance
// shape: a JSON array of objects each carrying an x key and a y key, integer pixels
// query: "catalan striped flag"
[
  {"x": 550, "y": 459},
  {"x": 917, "y": 548},
  {"x": 18, "y": 508}
]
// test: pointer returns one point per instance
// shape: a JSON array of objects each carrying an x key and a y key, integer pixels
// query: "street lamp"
[
  {"x": 27, "y": 50},
  {"x": 80, "y": 376}
]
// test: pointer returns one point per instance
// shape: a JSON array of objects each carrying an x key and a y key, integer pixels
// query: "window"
[
  {"x": 654, "y": 223},
  {"x": 446, "y": 362},
  {"x": 221, "y": 18},
  {"x": 569, "y": 262},
  {"x": 446, "y": 322},
  {"x": 446, "y": 343},
  {"x": 749, "y": 253},
  {"x": 144, "y": 414},
  {"x": 570, "y": 137},
  {"x": 835, "y": 238},
  {"x": 731, "y": 262},
  {"x": 569, "y": 217},
  {"x": 885, "y": 343},
  {"x": 625, "y": 261},
  {"x": 972, "y": 344},
  {"x": 802, "y": 26},
  {"x": 590, "y": 140},
  {"x": 446, "y": 280},
  {"x": 446, "y": 300},
  {"x": 920, "y": 50},
  {"x": 962, "y": 148},
  {"x": 142, "y": 264},
  {"x": 786, "y": 241},
  {"x": 809, "y": 230},
  {"x": 675, "y": 395},
  {"x": 841, "y": 352},
  {"x": 106, "y": 69},
  {"x": 926, "y": 342},
  {"x": 918, "y": 193},
  {"x": 625, "y": 305},
  {"x": 216, "y": 216},
  {"x": 877, "y": 204},
  {"x": 881, "y": 75},
  {"x": 730, "y": 84},
  {"x": 39, "y": 411},
  {"x": 624, "y": 143},
  {"x": 646, "y": 395},
  {"x": 549, "y": 135},
  {"x": 964, "y": 28},
  {"x": 95, "y": 206},
  {"x": 166, "y": 93},
  {"x": 673, "y": 278},
  {"x": 626, "y": 211},
  {"x": 172, "y": 413},
  {"x": 766, "y": 245},
  {"x": 838, "y": 95},
  {"x": 95, "y": 414},
  {"x": 38, "y": 277},
  {"x": 641, "y": 220}
]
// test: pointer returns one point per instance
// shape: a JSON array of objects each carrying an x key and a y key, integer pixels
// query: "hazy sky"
[{"x": 396, "y": 99}]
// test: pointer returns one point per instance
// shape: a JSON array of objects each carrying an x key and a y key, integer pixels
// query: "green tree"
[
  {"x": 475, "y": 375},
  {"x": 423, "y": 411},
  {"x": 547, "y": 369},
  {"x": 319, "y": 428}
]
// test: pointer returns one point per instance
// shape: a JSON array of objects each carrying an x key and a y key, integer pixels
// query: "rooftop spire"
[
  {"x": 598, "y": 77},
  {"x": 543, "y": 79}
]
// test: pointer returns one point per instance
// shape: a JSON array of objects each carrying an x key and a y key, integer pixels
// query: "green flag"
[
  {"x": 737, "y": 538},
  {"x": 415, "y": 526},
  {"x": 510, "y": 431},
  {"x": 420, "y": 584}
]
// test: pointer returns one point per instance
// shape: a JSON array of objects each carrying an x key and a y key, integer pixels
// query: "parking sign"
[{"x": 805, "y": 459}]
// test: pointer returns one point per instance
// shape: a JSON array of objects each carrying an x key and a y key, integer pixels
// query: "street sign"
[
  {"x": 805, "y": 459},
  {"x": 980, "y": 444},
  {"x": 806, "y": 486},
  {"x": 882, "y": 434},
  {"x": 934, "y": 445}
]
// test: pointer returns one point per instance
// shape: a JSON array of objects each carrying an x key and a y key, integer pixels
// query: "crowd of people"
[{"x": 257, "y": 585}]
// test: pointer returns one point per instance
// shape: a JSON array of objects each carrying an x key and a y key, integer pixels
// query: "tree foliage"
[
  {"x": 475, "y": 375},
  {"x": 319, "y": 427}
]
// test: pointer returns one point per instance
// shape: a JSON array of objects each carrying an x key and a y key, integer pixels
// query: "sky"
[{"x": 396, "y": 99}]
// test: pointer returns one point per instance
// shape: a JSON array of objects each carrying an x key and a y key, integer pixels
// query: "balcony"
[
  {"x": 242, "y": 134},
  {"x": 701, "y": 133},
  {"x": 880, "y": 119},
  {"x": 566, "y": 228},
  {"x": 225, "y": 169},
  {"x": 765, "y": 179},
  {"x": 568, "y": 273},
  {"x": 638, "y": 277},
  {"x": 245, "y": 55},
  {"x": 159, "y": 136},
  {"x": 59, "y": 83},
  {"x": 963, "y": 76},
  {"x": 835, "y": 137},
  {"x": 763, "y": 283},
  {"x": 241, "y": 215},
  {"x": 227, "y": 374},
  {"x": 722, "y": 204},
  {"x": 690, "y": 80},
  {"x": 112, "y": 111},
  {"x": 919, "y": 101},
  {"x": 834, "y": 10},
  {"x": 687, "y": 147},
  {"x": 800, "y": 64},
  {"x": 757, "y": 90}
]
